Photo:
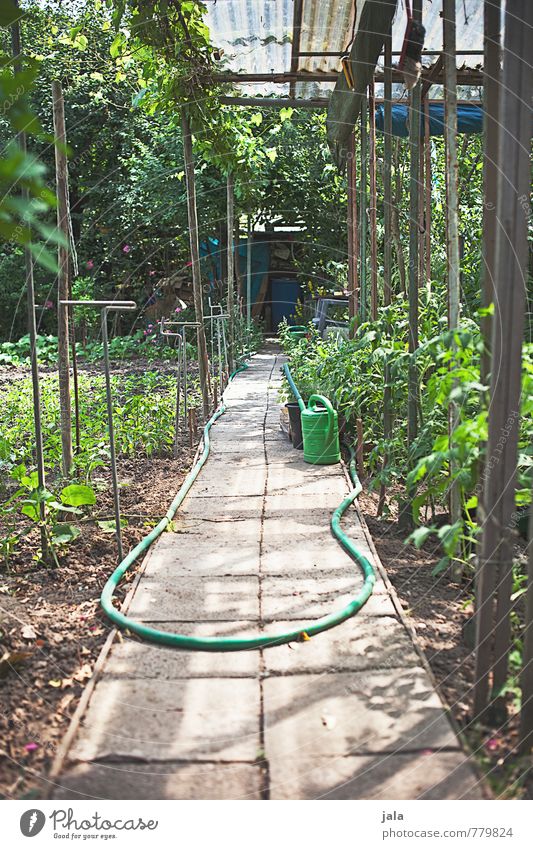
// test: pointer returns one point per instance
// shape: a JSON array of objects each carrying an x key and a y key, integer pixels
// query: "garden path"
[{"x": 349, "y": 714}]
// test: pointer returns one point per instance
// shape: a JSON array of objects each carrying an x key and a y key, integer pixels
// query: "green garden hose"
[{"x": 181, "y": 641}]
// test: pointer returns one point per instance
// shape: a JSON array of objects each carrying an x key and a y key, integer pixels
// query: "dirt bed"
[
  {"x": 440, "y": 612},
  {"x": 51, "y": 625}
]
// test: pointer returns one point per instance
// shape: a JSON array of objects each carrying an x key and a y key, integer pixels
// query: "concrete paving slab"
[
  {"x": 228, "y": 509},
  {"x": 221, "y": 479},
  {"x": 300, "y": 505},
  {"x": 196, "y": 599},
  {"x": 215, "y": 719},
  {"x": 204, "y": 548},
  {"x": 421, "y": 775},
  {"x": 132, "y": 780},
  {"x": 282, "y": 479},
  {"x": 352, "y": 646},
  {"x": 230, "y": 443},
  {"x": 279, "y": 450},
  {"x": 353, "y": 713},
  {"x": 285, "y": 598},
  {"x": 290, "y": 465},
  {"x": 134, "y": 659}
]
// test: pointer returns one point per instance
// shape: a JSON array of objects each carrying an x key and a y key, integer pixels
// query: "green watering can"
[
  {"x": 320, "y": 429},
  {"x": 298, "y": 331}
]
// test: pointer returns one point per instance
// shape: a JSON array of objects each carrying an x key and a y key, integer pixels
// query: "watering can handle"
[{"x": 325, "y": 403}]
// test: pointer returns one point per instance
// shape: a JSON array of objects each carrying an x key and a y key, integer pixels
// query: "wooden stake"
[
  {"x": 231, "y": 268},
  {"x": 32, "y": 329},
  {"x": 452, "y": 234},
  {"x": 387, "y": 245},
  {"x": 363, "y": 204},
  {"x": 373, "y": 207},
  {"x": 353, "y": 241},
  {"x": 360, "y": 449},
  {"x": 414, "y": 150},
  {"x": 511, "y": 261},
  {"x": 203, "y": 364},
  {"x": 63, "y": 287},
  {"x": 427, "y": 222},
  {"x": 485, "y": 577},
  {"x": 526, "y": 677}
]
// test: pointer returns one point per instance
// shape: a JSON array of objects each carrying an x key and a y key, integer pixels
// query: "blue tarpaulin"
[{"x": 469, "y": 119}]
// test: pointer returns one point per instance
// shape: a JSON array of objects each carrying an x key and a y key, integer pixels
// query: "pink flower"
[
  {"x": 126, "y": 249},
  {"x": 89, "y": 264},
  {"x": 30, "y": 747},
  {"x": 491, "y": 745},
  {"x": 152, "y": 273},
  {"x": 178, "y": 309},
  {"x": 189, "y": 264},
  {"x": 48, "y": 305}
]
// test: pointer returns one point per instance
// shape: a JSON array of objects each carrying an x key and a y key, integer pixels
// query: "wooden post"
[
  {"x": 511, "y": 258},
  {"x": 353, "y": 241},
  {"x": 231, "y": 268},
  {"x": 373, "y": 206},
  {"x": 452, "y": 232},
  {"x": 32, "y": 328},
  {"x": 526, "y": 677},
  {"x": 249, "y": 245},
  {"x": 63, "y": 287},
  {"x": 414, "y": 196},
  {"x": 363, "y": 208},
  {"x": 387, "y": 244},
  {"x": 203, "y": 365},
  {"x": 491, "y": 97},
  {"x": 360, "y": 449},
  {"x": 428, "y": 193},
  {"x": 387, "y": 174},
  {"x": 485, "y": 578}
]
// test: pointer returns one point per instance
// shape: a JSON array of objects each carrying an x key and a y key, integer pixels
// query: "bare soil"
[
  {"x": 440, "y": 612},
  {"x": 52, "y": 627}
]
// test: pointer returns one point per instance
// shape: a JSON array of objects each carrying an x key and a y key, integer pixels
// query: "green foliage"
[
  {"x": 144, "y": 412},
  {"x": 45, "y": 510},
  {"x": 352, "y": 374}
]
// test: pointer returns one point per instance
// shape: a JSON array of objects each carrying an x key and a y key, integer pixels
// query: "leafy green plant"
[{"x": 45, "y": 510}]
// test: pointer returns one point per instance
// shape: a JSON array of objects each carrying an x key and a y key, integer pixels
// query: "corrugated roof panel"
[
  {"x": 256, "y": 36},
  {"x": 326, "y": 27}
]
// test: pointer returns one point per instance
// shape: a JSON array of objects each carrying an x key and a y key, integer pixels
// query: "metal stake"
[{"x": 105, "y": 307}]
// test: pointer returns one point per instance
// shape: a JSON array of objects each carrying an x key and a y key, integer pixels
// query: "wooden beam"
[
  {"x": 464, "y": 76},
  {"x": 276, "y": 102},
  {"x": 315, "y": 103}
]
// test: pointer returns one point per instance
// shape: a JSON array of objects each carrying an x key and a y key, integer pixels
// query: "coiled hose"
[{"x": 182, "y": 641}]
